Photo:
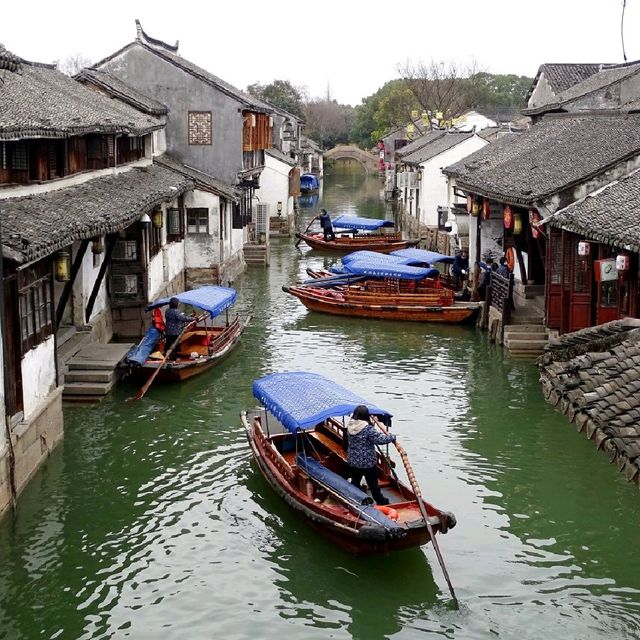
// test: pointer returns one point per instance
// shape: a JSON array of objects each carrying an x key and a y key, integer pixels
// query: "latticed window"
[
  {"x": 200, "y": 127},
  {"x": 198, "y": 220},
  {"x": 35, "y": 307}
]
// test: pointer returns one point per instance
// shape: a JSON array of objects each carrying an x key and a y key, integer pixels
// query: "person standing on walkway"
[
  {"x": 460, "y": 268},
  {"x": 361, "y": 449},
  {"x": 503, "y": 269}
]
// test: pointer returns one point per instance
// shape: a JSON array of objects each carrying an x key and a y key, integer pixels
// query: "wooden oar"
[
  {"x": 307, "y": 229},
  {"x": 423, "y": 511},
  {"x": 168, "y": 352}
]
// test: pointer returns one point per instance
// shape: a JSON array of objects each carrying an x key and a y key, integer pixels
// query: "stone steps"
[
  {"x": 256, "y": 254},
  {"x": 526, "y": 338}
]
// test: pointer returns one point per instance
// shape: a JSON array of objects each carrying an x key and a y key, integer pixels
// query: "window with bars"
[
  {"x": 125, "y": 251},
  {"x": 200, "y": 127},
  {"x": 35, "y": 309},
  {"x": 126, "y": 286},
  {"x": 198, "y": 220}
]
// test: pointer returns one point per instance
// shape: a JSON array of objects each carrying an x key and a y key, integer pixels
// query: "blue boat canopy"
[
  {"x": 355, "y": 222},
  {"x": 367, "y": 255},
  {"x": 301, "y": 400},
  {"x": 421, "y": 255},
  {"x": 382, "y": 268},
  {"x": 211, "y": 298}
]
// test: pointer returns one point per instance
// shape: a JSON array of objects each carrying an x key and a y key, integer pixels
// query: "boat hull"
[
  {"x": 350, "y": 533},
  {"x": 346, "y": 244},
  {"x": 339, "y": 303},
  {"x": 222, "y": 341}
]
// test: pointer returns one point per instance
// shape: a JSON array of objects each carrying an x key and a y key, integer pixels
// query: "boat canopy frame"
[{"x": 360, "y": 223}]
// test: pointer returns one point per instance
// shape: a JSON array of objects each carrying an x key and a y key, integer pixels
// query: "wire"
[{"x": 624, "y": 54}]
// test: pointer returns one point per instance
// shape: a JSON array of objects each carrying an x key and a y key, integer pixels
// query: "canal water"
[{"x": 151, "y": 521}]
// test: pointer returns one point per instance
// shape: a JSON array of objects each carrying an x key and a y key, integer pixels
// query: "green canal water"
[{"x": 150, "y": 521}]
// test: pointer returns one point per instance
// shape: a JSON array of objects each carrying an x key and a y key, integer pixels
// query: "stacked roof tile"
[
  {"x": 436, "y": 147},
  {"x": 37, "y": 101},
  {"x": 561, "y": 151},
  {"x": 593, "y": 377},
  {"x": 35, "y": 226}
]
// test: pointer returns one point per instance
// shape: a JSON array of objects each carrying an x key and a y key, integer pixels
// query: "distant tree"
[
  {"x": 282, "y": 94},
  {"x": 446, "y": 88},
  {"x": 502, "y": 90},
  {"x": 328, "y": 122},
  {"x": 73, "y": 64}
]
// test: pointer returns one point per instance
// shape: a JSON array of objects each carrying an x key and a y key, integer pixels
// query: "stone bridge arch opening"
[{"x": 368, "y": 161}]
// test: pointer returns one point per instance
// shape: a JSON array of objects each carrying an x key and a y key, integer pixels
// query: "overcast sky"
[{"x": 351, "y": 46}]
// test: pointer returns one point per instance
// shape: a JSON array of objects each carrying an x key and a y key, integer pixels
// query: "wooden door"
[
  {"x": 580, "y": 305},
  {"x": 12, "y": 344},
  {"x": 553, "y": 288}
]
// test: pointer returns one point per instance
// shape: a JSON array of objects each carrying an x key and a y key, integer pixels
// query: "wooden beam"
[
  {"x": 111, "y": 243},
  {"x": 66, "y": 292}
]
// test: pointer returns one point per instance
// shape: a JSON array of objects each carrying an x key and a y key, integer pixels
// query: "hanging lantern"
[
  {"x": 517, "y": 224},
  {"x": 486, "y": 209},
  {"x": 279, "y": 208},
  {"x": 425, "y": 119},
  {"x": 157, "y": 219},
  {"x": 414, "y": 114},
  {"x": 469, "y": 203},
  {"x": 622, "y": 262},
  {"x": 97, "y": 246},
  {"x": 410, "y": 128},
  {"x": 584, "y": 248},
  {"x": 475, "y": 208},
  {"x": 62, "y": 266},
  {"x": 507, "y": 217},
  {"x": 534, "y": 218}
]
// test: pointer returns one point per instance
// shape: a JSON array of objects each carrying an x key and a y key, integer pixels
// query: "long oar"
[
  {"x": 168, "y": 352},
  {"x": 423, "y": 511},
  {"x": 305, "y": 231}
]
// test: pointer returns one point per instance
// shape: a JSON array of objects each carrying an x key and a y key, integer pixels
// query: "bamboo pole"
[{"x": 423, "y": 510}]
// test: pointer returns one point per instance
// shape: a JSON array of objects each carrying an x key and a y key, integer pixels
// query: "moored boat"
[
  {"x": 201, "y": 345},
  {"x": 309, "y": 183},
  {"x": 298, "y": 441},
  {"x": 347, "y": 239},
  {"x": 380, "y": 288}
]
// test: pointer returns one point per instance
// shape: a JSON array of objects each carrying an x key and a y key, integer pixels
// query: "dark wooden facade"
[{"x": 576, "y": 295}]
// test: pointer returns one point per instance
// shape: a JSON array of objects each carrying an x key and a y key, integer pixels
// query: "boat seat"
[{"x": 329, "y": 443}]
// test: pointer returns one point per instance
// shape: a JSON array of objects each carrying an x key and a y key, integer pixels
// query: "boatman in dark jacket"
[
  {"x": 361, "y": 449},
  {"x": 175, "y": 322},
  {"x": 460, "y": 268},
  {"x": 327, "y": 227}
]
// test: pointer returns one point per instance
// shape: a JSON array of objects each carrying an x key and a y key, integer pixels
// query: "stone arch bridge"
[{"x": 369, "y": 161}]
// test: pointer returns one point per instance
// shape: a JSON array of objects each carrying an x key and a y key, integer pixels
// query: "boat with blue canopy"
[
  {"x": 347, "y": 238},
  {"x": 202, "y": 344},
  {"x": 422, "y": 256},
  {"x": 309, "y": 183},
  {"x": 298, "y": 439}
]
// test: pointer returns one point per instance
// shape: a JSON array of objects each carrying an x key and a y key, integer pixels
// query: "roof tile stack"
[{"x": 593, "y": 377}]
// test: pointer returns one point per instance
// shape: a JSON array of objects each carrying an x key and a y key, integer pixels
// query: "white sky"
[{"x": 354, "y": 46}]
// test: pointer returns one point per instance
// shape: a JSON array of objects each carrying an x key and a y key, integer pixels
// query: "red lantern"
[
  {"x": 534, "y": 218},
  {"x": 507, "y": 217},
  {"x": 486, "y": 209},
  {"x": 469, "y": 203}
]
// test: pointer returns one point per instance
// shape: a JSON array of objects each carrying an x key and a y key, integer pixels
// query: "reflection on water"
[{"x": 150, "y": 520}]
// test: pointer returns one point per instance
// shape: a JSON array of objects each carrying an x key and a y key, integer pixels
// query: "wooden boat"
[
  {"x": 348, "y": 240},
  {"x": 200, "y": 347},
  {"x": 309, "y": 183},
  {"x": 298, "y": 442},
  {"x": 385, "y": 290}
]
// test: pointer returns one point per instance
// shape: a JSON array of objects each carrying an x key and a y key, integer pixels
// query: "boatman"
[
  {"x": 327, "y": 227},
  {"x": 175, "y": 322}
]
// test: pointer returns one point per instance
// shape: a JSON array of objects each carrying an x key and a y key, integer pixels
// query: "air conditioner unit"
[{"x": 261, "y": 217}]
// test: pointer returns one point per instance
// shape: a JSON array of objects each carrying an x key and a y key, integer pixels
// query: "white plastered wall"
[{"x": 38, "y": 375}]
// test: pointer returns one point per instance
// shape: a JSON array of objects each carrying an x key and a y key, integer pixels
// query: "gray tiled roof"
[
  {"x": 40, "y": 102},
  {"x": 202, "y": 179},
  {"x": 37, "y": 225},
  {"x": 560, "y": 151},
  {"x": 115, "y": 87},
  {"x": 8, "y": 61},
  {"x": 418, "y": 143},
  {"x": 609, "y": 216},
  {"x": 436, "y": 147},
  {"x": 604, "y": 78},
  {"x": 278, "y": 155},
  {"x": 593, "y": 377},
  {"x": 561, "y": 76}
]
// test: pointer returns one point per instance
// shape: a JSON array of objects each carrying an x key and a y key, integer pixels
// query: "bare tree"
[
  {"x": 73, "y": 63},
  {"x": 446, "y": 88}
]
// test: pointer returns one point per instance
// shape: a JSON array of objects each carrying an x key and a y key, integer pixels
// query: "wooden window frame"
[
  {"x": 179, "y": 235},
  {"x": 195, "y": 137},
  {"x": 35, "y": 306},
  {"x": 199, "y": 212}
]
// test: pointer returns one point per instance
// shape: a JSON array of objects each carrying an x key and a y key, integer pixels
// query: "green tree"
[{"x": 281, "y": 94}]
